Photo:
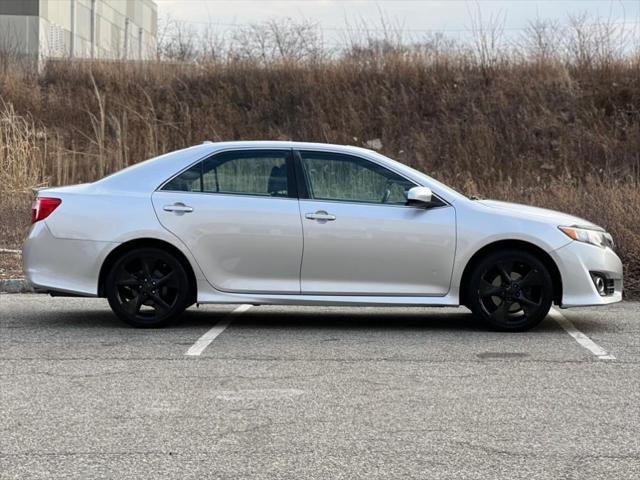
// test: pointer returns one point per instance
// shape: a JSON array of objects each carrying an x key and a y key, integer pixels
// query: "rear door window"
[{"x": 251, "y": 172}]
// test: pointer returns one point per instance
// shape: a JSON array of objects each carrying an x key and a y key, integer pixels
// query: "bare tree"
[
  {"x": 488, "y": 38},
  {"x": 596, "y": 42},
  {"x": 541, "y": 41},
  {"x": 177, "y": 41},
  {"x": 278, "y": 39}
]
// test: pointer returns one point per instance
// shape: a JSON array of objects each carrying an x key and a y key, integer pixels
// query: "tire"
[
  {"x": 148, "y": 288},
  {"x": 510, "y": 291}
]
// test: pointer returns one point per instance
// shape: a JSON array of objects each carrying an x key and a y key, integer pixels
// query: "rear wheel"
[
  {"x": 510, "y": 290},
  {"x": 147, "y": 287}
]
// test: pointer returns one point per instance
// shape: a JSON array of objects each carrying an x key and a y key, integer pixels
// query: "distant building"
[{"x": 101, "y": 29}]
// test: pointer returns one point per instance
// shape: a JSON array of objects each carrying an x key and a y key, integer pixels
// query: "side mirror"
[{"x": 419, "y": 196}]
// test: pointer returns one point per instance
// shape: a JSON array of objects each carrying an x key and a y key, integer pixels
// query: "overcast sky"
[{"x": 413, "y": 16}]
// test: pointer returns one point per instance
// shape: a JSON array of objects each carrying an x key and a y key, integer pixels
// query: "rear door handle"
[
  {"x": 320, "y": 215},
  {"x": 178, "y": 207}
]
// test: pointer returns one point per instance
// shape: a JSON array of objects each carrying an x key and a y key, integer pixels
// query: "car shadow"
[
  {"x": 349, "y": 319},
  {"x": 352, "y": 319},
  {"x": 308, "y": 319},
  {"x": 590, "y": 323},
  {"x": 105, "y": 319}
]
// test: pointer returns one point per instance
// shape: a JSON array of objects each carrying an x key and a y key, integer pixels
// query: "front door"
[
  {"x": 361, "y": 239},
  {"x": 238, "y": 213}
]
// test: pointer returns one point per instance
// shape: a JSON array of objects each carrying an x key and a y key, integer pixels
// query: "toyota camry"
[{"x": 308, "y": 224}]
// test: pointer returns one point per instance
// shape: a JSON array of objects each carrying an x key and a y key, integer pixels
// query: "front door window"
[{"x": 345, "y": 178}]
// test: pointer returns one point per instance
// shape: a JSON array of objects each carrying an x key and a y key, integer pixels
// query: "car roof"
[{"x": 277, "y": 144}]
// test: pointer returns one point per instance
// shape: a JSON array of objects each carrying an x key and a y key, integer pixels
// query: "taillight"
[{"x": 42, "y": 208}]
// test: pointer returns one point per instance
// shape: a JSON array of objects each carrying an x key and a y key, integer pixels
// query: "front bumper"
[
  {"x": 63, "y": 265},
  {"x": 576, "y": 261}
]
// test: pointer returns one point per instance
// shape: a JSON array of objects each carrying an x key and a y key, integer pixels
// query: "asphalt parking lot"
[{"x": 315, "y": 393}]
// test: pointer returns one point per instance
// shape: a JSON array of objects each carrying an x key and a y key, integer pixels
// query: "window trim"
[
  {"x": 304, "y": 190},
  {"x": 292, "y": 184},
  {"x": 295, "y": 159}
]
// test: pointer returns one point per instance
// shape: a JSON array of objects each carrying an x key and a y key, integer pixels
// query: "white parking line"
[
  {"x": 580, "y": 337},
  {"x": 204, "y": 341}
]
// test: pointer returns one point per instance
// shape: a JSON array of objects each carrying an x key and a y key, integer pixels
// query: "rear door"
[
  {"x": 238, "y": 213},
  {"x": 361, "y": 238}
]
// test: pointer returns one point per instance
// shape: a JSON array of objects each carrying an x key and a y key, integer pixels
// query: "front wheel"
[
  {"x": 510, "y": 291},
  {"x": 147, "y": 287}
]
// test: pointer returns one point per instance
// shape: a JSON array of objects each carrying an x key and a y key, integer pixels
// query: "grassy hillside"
[{"x": 557, "y": 133}]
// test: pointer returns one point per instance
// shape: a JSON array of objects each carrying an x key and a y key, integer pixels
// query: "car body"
[{"x": 301, "y": 223}]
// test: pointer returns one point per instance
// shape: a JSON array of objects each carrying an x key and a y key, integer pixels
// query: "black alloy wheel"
[
  {"x": 147, "y": 287},
  {"x": 510, "y": 290}
]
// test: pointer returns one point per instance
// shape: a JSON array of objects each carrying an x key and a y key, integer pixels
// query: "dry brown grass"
[
  {"x": 545, "y": 131},
  {"x": 23, "y": 154}
]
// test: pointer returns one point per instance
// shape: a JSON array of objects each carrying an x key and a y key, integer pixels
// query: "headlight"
[{"x": 598, "y": 238}]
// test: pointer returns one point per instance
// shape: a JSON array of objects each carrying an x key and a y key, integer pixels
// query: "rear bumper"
[
  {"x": 63, "y": 265},
  {"x": 576, "y": 261}
]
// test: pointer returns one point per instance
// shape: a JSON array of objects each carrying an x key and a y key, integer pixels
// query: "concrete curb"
[{"x": 15, "y": 285}]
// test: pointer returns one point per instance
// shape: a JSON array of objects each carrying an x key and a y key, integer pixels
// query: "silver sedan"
[{"x": 308, "y": 224}]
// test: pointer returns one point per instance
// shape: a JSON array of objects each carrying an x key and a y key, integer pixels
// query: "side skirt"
[{"x": 331, "y": 300}]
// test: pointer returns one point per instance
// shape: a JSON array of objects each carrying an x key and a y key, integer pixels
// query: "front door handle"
[
  {"x": 178, "y": 207},
  {"x": 320, "y": 215}
]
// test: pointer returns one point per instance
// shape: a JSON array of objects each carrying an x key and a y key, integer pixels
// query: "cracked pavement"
[{"x": 302, "y": 392}]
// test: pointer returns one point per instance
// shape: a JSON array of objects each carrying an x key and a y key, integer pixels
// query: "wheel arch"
[
  {"x": 125, "y": 247},
  {"x": 543, "y": 256}
]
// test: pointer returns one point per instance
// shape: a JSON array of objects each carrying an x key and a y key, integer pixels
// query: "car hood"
[{"x": 539, "y": 214}]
